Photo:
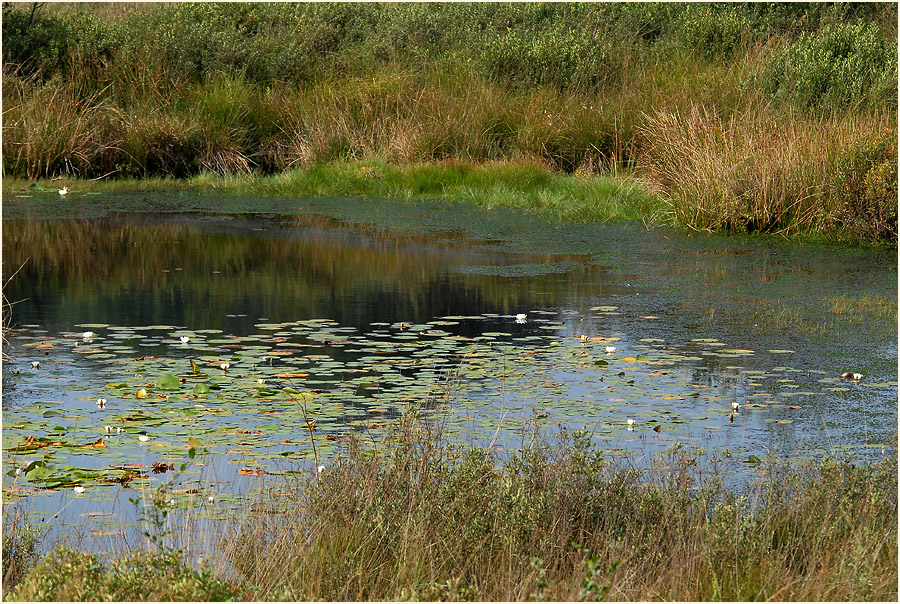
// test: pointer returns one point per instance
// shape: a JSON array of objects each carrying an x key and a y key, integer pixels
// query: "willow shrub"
[{"x": 843, "y": 66}]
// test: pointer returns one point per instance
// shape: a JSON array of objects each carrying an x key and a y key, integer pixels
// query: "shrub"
[
  {"x": 864, "y": 187},
  {"x": 68, "y": 575},
  {"x": 843, "y": 66}
]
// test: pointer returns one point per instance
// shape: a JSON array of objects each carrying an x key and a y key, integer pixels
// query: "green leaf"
[
  {"x": 201, "y": 389},
  {"x": 168, "y": 382}
]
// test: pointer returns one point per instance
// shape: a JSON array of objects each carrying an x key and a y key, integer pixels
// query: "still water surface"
[{"x": 360, "y": 321}]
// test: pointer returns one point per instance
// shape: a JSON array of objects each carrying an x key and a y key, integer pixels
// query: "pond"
[{"x": 264, "y": 339}]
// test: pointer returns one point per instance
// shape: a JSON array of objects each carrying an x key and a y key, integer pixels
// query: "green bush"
[
  {"x": 32, "y": 41},
  {"x": 713, "y": 31},
  {"x": 68, "y": 575},
  {"x": 842, "y": 67},
  {"x": 864, "y": 186}
]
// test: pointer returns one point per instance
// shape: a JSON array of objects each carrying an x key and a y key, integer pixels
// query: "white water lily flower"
[
  {"x": 119, "y": 429},
  {"x": 107, "y": 429},
  {"x": 320, "y": 469},
  {"x": 260, "y": 381},
  {"x": 101, "y": 403},
  {"x": 521, "y": 317},
  {"x": 18, "y": 471},
  {"x": 64, "y": 191},
  {"x": 211, "y": 499},
  {"x": 185, "y": 339},
  {"x": 851, "y": 376},
  {"x": 585, "y": 339},
  {"x": 735, "y": 407},
  {"x": 78, "y": 490},
  {"x": 224, "y": 366},
  {"x": 143, "y": 438},
  {"x": 87, "y": 335},
  {"x": 610, "y": 349},
  {"x": 35, "y": 364}
]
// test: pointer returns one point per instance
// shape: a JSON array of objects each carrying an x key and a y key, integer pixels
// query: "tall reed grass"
[{"x": 751, "y": 172}]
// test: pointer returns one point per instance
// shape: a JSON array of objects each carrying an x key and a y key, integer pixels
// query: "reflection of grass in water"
[{"x": 425, "y": 519}]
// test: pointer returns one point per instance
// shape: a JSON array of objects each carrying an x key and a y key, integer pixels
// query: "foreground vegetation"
[
  {"x": 421, "y": 519},
  {"x": 756, "y": 117}
]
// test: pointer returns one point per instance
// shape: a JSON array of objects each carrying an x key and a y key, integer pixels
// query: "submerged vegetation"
[
  {"x": 757, "y": 117},
  {"x": 422, "y": 519}
]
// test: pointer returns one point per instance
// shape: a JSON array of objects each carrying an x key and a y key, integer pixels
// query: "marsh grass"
[
  {"x": 417, "y": 517},
  {"x": 423, "y": 519},
  {"x": 20, "y": 550},
  {"x": 736, "y": 115},
  {"x": 525, "y": 185},
  {"x": 868, "y": 304},
  {"x": 752, "y": 173}
]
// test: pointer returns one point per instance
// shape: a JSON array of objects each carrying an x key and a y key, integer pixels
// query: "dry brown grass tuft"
[{"x": 755, "y": 171}]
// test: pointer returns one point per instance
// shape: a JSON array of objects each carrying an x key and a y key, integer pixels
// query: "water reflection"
[{"x": 230, "y": 274}]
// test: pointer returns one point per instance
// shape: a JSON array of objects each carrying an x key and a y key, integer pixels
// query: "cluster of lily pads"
[{"x": 112, "y": 405}]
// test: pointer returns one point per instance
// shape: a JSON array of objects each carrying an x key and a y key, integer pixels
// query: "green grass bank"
[
  {"x": 778, "y": 118},
  {"x": 420, "y": 518}
]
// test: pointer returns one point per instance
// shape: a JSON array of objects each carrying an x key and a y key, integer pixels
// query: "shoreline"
[{"x": 527, "y": 186}]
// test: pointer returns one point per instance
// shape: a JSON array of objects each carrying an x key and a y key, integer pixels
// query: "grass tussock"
[{"x": 752, "y": 173}]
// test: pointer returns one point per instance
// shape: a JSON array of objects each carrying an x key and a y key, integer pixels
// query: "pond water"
[{"x": 342, "y": 314}]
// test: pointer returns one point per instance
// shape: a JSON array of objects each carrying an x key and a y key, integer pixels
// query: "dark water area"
[{"x": 370, "y": 307}]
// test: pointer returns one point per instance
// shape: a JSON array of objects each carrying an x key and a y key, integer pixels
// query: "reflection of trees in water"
[{"x": 194, "y": 274}]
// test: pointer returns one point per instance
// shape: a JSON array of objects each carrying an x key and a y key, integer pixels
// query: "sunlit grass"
[
  {"x": 522, "y": 185},
  {"x": 499, "y": 184}
]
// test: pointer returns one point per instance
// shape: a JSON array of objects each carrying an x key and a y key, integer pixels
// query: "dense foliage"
[{"x": 243, "y": 88}]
